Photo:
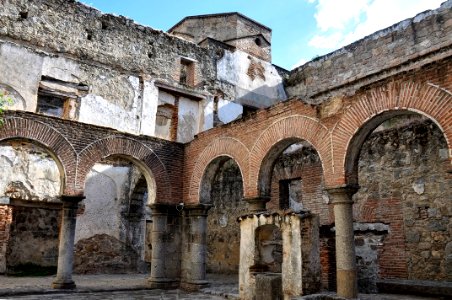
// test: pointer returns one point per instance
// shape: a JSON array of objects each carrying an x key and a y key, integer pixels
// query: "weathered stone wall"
[
  {"x": 6, "y": 216},
  {"x": 405, "y": 45},
  {"x": 31, "y": 176},
  {"x": 401, "y": 212},
  {"x": 113, "y": 66},
  {"x": 33, "y": 237},
  {"x": 198, "y": 28},
  {"x": 83, "y": 32},
  {"x": 255, "y": 45},
  {"x": 367, "y": 247},
  {"x": 223, "y": 230},
  {"x": 226, "y": 27},
  {"x": 403, "y": 184},
  {"x": 129, "y": 99}
]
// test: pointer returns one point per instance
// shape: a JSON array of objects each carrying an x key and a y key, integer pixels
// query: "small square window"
[
  {"x": 57, "y": 106},
  {"x": 50, "y": 105},
  {"x": 187, "y": 72}
]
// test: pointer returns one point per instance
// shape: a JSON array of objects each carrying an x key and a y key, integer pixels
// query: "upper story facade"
[{"x": 67, "y": 60}]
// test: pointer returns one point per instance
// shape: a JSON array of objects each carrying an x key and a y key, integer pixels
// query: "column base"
[
  {"x": 194, "y": 286},
  {"x": 63, "y": 285},
  {"x": 163, "y": 283},
  {"x": 347, "y": 284}
]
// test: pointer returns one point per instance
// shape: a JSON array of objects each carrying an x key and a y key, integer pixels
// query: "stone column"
[
  {"x": 195, "y": 247},
  {"x": 346, "y": 276},
  {"x": 165, "y": 256},
  {"x": 257, "y": 204},
  {"x": 63, "y": 278}
]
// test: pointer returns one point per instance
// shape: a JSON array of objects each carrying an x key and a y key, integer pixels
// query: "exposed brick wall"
[
  {"x": 47, "y": 136},
  {"x": 328, "y": 260},
  {"x": 304, "y": 164},
  {"x": 79, "y": 146},
  {"x": 6, "y": 216},
  {"x": 336, "y": 134},
  {"x": 219, "y": 147},
  {"x": 404, "y": 185},
  {"x": 363, "y": 115}
]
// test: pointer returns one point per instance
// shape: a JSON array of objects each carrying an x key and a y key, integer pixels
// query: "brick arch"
[
  {"x": 278, "y": 136},
  {"x": 378, "y": 105},
  {"x": 150, "y": 164},
  {"x": 223, "y": 146},
  {"x": 53, "y": 141}
]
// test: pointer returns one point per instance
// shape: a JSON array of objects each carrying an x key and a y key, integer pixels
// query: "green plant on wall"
[{"x": 4, "y": 102}]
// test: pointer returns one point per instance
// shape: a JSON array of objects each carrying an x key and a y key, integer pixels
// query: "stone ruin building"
[{"x": 188, "y": 152}]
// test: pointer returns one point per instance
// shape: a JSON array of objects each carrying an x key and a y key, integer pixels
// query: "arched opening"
[
  {"x": 291, "y": 175},
  {"x": 402, "y": 209},
  {"x": 113, "y": 223},
  {"x": 31, "y": 182},
  {"x": 222, "y": 186}
]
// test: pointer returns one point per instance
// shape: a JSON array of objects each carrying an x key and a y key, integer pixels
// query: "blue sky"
[{"x": 301, "y": 29}]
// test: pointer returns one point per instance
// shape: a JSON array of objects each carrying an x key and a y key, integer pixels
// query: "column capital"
[
  {"x": 257, "y": 204},
  {"x": 342, "y": 194},
  {"x": 199, "y": 209}
]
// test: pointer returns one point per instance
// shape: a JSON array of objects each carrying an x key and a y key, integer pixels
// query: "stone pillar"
[
  {"x": 165, "y": 262},
  {"x": 195, "y": 247},
  {"x": 257, "y": 204},
  {"x": 63, "y": 278},
  {"x": 346, "y": 276}
]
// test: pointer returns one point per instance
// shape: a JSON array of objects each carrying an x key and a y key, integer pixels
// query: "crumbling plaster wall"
[
  {"x": 105, "y": 190},
  {"x": 106, "y": 219},
  {"x": 29, "y": 174},
  {"x": 256, "y": 82},
  {"x": 96, "y": 49},
  {"x": 119, "y": 61}
]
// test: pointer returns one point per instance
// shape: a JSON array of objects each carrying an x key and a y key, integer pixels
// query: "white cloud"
[
  {"x": 301, "y": 62},
  {"x": 334, "y": 14},
  {"x": 343, "y": 22},
  {"x": 326, "y": 41}
]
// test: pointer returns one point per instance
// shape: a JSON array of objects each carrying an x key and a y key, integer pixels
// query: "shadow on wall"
[
  {"x": 231, "y": 109},
  {"x": 111, "y": 224}
]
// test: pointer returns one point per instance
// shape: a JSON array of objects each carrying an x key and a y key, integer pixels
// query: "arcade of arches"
[
  {"x": 392, "y": 141},
  {"x": 345, "y": 186}
]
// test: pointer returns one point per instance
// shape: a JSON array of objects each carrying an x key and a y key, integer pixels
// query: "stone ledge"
[{"x": 415, "y": 287}]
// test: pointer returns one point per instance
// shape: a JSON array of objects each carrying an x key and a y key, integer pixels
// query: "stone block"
[{"x": 269, "y": 286}]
